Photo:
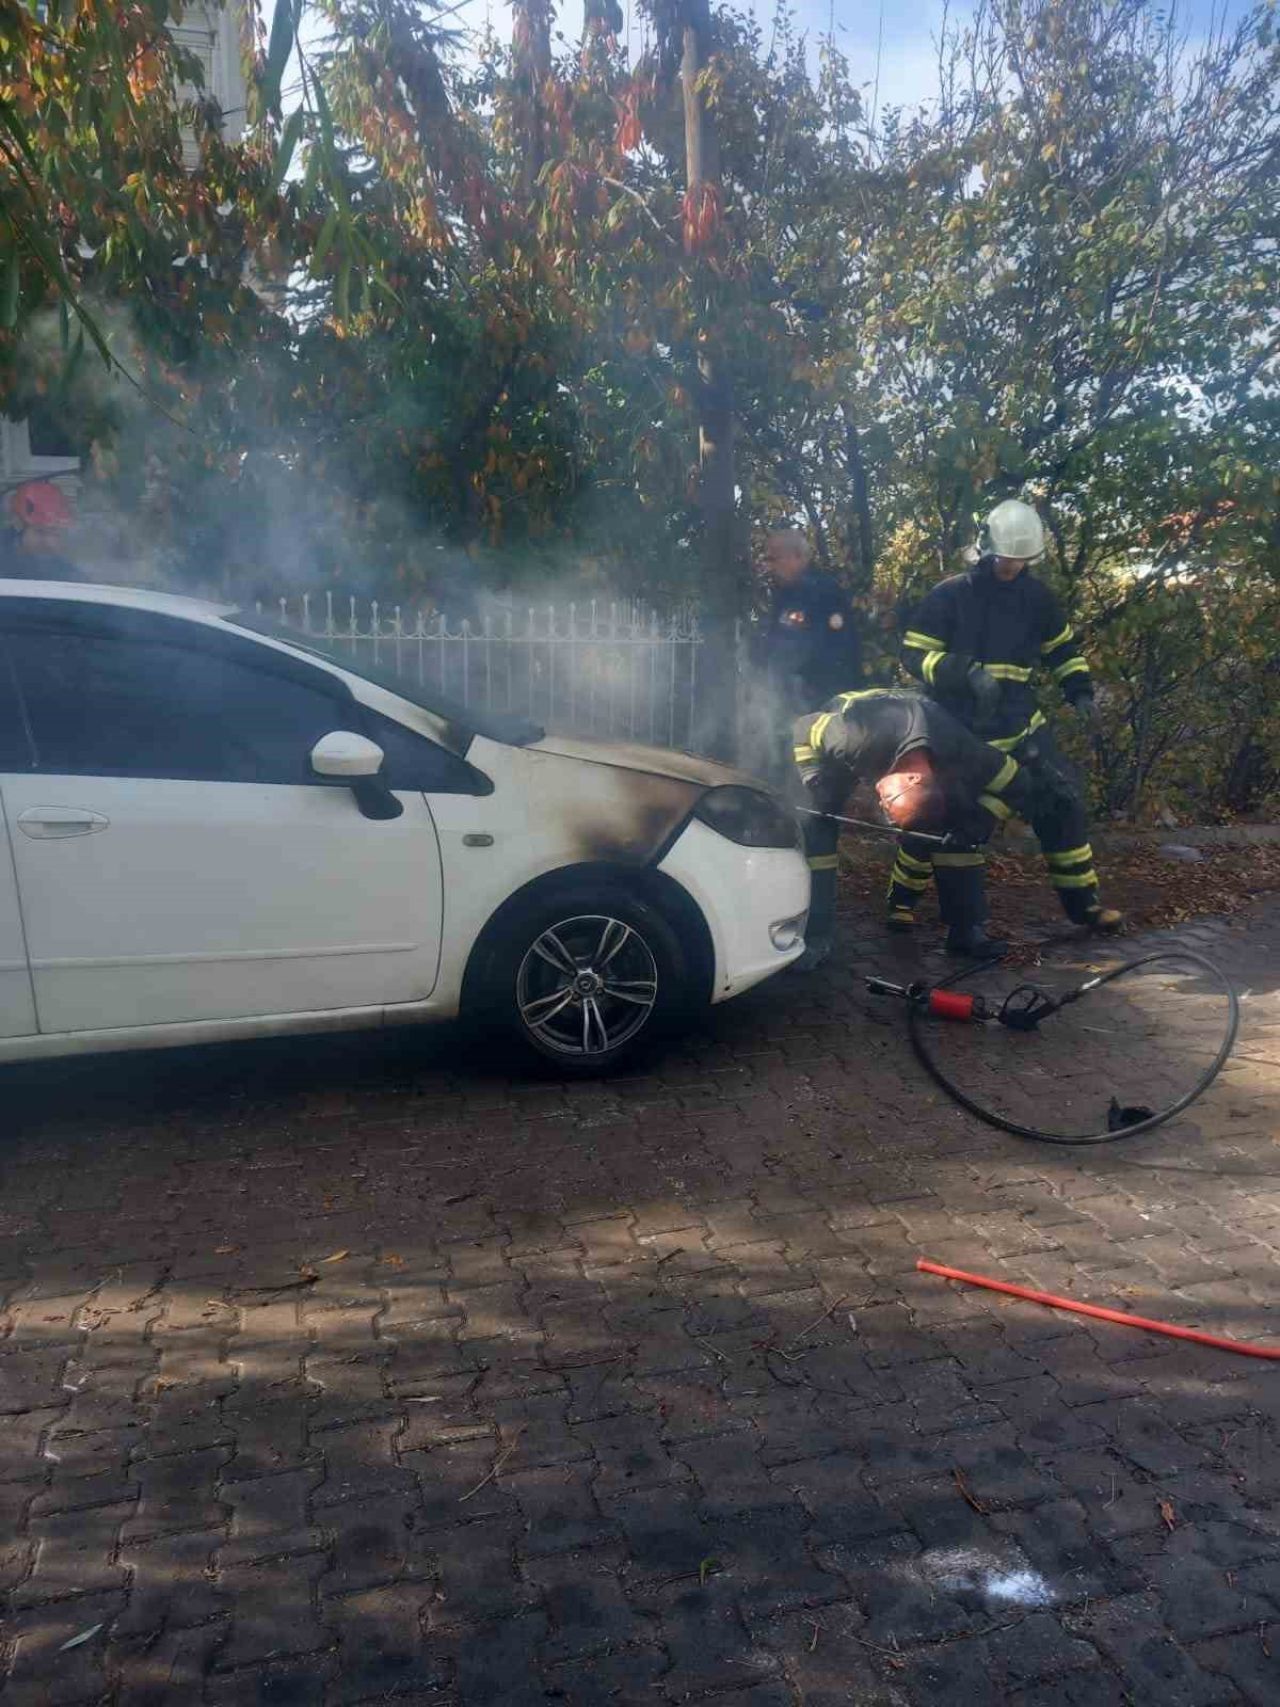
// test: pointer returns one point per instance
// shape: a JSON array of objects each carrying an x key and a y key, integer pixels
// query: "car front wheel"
[{"x": 585, "y": 980}]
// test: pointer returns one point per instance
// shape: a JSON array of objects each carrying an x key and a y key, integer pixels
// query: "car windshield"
[{"x": 508, "y": 727}]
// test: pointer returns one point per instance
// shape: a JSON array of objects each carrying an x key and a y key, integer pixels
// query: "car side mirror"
[{"x": 345, "y": 757}]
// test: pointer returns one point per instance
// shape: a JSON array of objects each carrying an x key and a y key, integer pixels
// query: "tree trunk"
[
  {"x": 860, "y": 531},
  {"x": 722, "y": 558},
  {"x": 532, "y": 41}
]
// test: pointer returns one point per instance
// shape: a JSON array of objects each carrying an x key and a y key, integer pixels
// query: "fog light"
[{"x": 786, "y": 933}]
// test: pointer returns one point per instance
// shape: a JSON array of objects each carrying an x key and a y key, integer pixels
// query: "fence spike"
[{"x": 601, "y": 679}]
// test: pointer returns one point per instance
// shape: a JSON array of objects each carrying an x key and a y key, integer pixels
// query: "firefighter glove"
[{"x": 985, "y": 689}]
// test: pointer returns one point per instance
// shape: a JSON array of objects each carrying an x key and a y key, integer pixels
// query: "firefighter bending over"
[
  {"x": 975, "y": 641},
  {"x": 932, "y": 776}
]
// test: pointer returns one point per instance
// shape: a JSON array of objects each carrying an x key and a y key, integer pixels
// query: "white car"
[{"x": 211, "y": 831}]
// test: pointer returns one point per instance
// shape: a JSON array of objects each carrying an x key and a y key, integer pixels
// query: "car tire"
[{"x": 584, "y": 978}]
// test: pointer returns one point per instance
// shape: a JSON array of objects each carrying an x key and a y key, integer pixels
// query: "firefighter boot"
[
  {"x": 1106, "y": 921},
  {"x": 973, "y": 943},
  {"x": 960, "y": 875},
  {"x": 900, "y": 919}
]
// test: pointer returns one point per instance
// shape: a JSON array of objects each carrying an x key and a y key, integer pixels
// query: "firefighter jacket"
[
  {"x": 809, "y": 639},
  {"x": 860, "y": 737},
  {"x": 1012, "y": 628}
]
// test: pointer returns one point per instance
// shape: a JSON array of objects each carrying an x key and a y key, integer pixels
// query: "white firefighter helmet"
[{"x": 1015, "y": 530}]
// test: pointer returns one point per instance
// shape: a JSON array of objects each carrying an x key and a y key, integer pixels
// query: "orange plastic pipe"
[{"x": 1125, "y": 1320}]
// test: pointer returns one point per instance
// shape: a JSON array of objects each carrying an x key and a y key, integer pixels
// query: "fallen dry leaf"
[
  {"x": 1168, "y": 1516},
  {"x": 1153, "y": 892},
  {"x": 336, "y": 1257},
  {"x": 83, "y": 1636}
]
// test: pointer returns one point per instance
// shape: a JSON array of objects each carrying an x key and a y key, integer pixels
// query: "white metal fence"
[{"x": 591, "y": 668}]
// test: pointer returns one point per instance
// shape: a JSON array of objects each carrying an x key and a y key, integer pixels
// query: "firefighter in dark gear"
[
  {"x": 975, "y": 641},
  {"x": 809, "y": 639},
  {"x": 934, "y": 777}
]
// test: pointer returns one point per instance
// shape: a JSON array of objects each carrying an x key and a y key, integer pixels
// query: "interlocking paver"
[{"x": 631, "y": 1392}]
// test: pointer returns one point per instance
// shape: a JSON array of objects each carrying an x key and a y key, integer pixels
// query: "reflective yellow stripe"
[
  {"x": 1058, "y": 640},
  {"x": 1009, "y": 672},
  {"x": 1007, "y": 743},
  {"x": 912, "y": 863},
  {"x": 1070, "y": 856},
  {"x": 1072, "y": 667},
  {"x": 824, "y": 862},
  {"x": 847, "y": 699},
  {"x": 960, "y": 859},
  {"x": 995, "y": 806},
  {"x": 931, "y": 662},
  {"x": 923, "y": 642},
  {"x": 1078, "y": 880},
  {"x": 1003, "y": 777},
  {"x": 804, "y": 755},
  {"x": 900, "y": 877},
  {"x": 818, "y": 728}
]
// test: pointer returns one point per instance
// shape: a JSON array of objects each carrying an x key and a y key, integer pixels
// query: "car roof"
[{"x": 137, "y": 598}]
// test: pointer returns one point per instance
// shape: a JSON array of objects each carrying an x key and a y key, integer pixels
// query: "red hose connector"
[{"x": 954, "y": 1004}]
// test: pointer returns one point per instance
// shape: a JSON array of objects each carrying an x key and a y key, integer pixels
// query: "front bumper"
[{"x": 744, "y": 894}]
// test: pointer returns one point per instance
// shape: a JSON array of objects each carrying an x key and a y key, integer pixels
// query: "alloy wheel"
[{"x": 586, "y": 985}]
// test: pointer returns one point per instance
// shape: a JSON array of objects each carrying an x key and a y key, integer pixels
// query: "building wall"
[{"x": 212, "y": 33}]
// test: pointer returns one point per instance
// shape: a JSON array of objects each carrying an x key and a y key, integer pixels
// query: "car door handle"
[{"x": 51, "y": 823}]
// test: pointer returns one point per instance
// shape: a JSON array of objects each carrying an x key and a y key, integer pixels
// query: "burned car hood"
[{"x": 650, "y": 761}]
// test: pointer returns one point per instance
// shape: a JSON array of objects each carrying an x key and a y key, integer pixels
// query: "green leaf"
[
  {"x": 342, "y": 300},
  {"x": 284, "y": 154},
  {"x": 72, "y": 364},
  {"x": 324, "y": 243},
  {"x": 283, "y": 31},
  {"x": 64, "y": 324},
  {"x": 12, "y": 294},
  {"x": 326, "y": 115},
  {"x": 312, "y": 176}
]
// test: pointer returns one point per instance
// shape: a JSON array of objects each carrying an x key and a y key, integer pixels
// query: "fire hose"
[{"x": 1025, "y": 1009}]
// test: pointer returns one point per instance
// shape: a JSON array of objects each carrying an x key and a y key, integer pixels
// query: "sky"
[
  {"x": 899, "y": 40},
  {"x": 891, "y": 44}
]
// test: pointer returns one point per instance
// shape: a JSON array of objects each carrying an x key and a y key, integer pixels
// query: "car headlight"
[{"x": 751, "y": 819}]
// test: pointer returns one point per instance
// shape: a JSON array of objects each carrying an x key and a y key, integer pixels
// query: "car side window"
[
  {"x": 415, "y": 762},
  {"x": 15, "y": 747},
  {"x": 100, "y": 705}
]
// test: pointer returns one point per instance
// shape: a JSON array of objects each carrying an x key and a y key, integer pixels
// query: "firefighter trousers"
[
  {"x": 1061, "y": 826},
  {"x": 821, "y": 840},
  {"x": 1049, "y": 798},
  {"x": 959, "y": 873}
]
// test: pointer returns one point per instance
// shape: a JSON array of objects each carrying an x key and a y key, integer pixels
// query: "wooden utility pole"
[{"x": 722, "y": 557}]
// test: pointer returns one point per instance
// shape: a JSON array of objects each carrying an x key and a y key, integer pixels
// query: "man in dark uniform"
[
  {"x": 976, "y": 641},
  {"x": 809, "y": 637},
  {"x": 932, "y": 776}
]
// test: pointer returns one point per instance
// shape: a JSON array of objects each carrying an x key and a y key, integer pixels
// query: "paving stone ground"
[{"x": 360, "y": 1370}]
